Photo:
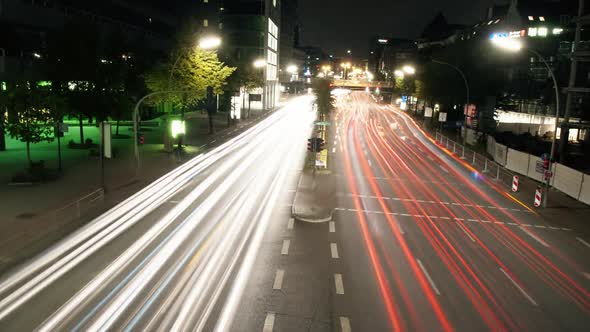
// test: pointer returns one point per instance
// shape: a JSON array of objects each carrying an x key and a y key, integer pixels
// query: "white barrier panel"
[
  {"x": 568, "y": 180},
  {"x": 585, "y": 189},
  {"x": 532, "y": 171},
  {"x": 500, "y": 154},
  {"x": 490, "y": 145},
  {"x": 517, "y": 161}
]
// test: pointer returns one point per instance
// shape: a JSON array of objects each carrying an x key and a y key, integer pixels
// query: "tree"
[
  {"x": 192, "y": 71},
  {"x": 34, "y": 121},
  {"x": 324, "y": 99}
]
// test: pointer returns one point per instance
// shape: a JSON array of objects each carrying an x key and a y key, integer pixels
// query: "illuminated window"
[
  {"x": 542, "y": 32},
  {"x": 205, "y": 22},
  {"x": 557, "y": 31},
  {"x": 205, "y": 1},
  {"x": 542, "y": 18},
  {"x": 532, "y": 32},
  {"x": 531, "y": 18}
]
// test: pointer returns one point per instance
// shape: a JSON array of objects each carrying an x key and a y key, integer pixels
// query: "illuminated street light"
[
  {"x": 291, "y": 69},
  {"x": 259, "y": 63},
  {"x": 209, "y": 42},
  {"x": 511, "y": 44},
  {"x": 409, "y": 70},
  {"x": 399, "y": 74}
]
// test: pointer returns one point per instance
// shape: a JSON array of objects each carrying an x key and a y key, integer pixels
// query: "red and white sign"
[
  {"x": 515, "y": 183},
  {"x": 538, "y": 197}
]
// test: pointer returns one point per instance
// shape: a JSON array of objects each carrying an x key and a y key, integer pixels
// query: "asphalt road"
[
  {"x": 174, "y": 256},
  {"x": 418, "y": 243}
]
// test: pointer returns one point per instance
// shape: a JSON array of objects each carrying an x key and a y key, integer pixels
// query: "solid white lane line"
[
  {"x": 291, "y": 223},
  {"x": 399, "y": 226},
  {"x": 278, "y": 284},
  {"x": 466, "y": 233},
  {"x": 444, "y": 169},
  {"x": 285, "y": 248},
  {"x": 334, "y": 250},
  {"x": 519, "y": 288},
  {"x": 269, "y": 322},
  {"x": 332, "y": 227},
  {"x": 432, "y": 284},
  {"x": 345, "y": 324},
  {"x": 339, "y": 284},
  {"x": 174, "y": 202},
  {"x": 583, "y": 242},
  {"x": 536, "y": 238}
]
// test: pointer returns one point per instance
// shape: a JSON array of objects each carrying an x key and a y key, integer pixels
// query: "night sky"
[{"x": 335, "y": 25}]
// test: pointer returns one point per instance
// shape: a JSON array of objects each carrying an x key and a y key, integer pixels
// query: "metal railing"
[
  {"x": 478, "y": 161},
  {"x": 76, "y": 208}
]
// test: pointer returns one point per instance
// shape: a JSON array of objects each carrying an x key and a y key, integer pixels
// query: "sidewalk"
[
  {"x": 561, "y": 210},
  {"x": 315, "y": 198},
  {"x": 26, "y": 229}
]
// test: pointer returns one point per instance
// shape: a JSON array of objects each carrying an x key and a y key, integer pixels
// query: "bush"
[
  {"x": 87, "y": 144},
  {"x": 35, "y": 173}
]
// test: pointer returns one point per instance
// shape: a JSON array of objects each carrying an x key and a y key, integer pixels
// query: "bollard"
[
  {"x": 538, "y": 196},
  {"x": 515, "y": 183}
]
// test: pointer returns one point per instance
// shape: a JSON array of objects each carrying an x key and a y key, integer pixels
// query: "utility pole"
[{"x": 563, "y": 139}]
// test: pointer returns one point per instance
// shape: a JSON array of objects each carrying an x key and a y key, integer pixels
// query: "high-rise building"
[{"x": 251, "y": 35}]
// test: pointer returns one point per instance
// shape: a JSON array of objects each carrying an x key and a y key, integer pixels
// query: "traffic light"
[
  {"x": 546, "y": 163},
  {"x": 319, "y": 145},
  {"x": 311, "y": 144}
]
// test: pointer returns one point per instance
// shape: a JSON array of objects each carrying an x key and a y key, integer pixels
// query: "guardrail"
[
  {"x": 76, "y": 208},
  {"x": 477, "y": 161}
]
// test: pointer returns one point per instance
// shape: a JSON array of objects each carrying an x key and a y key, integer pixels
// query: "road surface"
[{"x": 418, "y": 242}]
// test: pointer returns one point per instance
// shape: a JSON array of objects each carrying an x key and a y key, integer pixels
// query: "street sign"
[
  {"x": 539, "y": 167},
  {"x": 322, "y": 123},
  {"x": 442, "y": 117},
  {"x": 428, "y": 112}
]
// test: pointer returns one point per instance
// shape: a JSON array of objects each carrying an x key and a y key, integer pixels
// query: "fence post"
[
  {"x": 463, "y": 153},
  {"x": 485, "y": 166},
  {"x": 497, "y": 172},
  {"x": 447, "y": 142},
  {"x": 454, "y": 147},
  {"x": 473, "y": 163}
]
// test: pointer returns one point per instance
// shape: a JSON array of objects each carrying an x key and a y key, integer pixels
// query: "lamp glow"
[{"x": 209, "y": 42}]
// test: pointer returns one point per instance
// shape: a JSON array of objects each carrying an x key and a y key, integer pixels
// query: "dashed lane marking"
[
  {"x": 519, "y": 288},
  {"x": 285, "y": 248},
  {"x": 536, "y": 238},
  {"x": 345, "y": 324},
  {"x": 522, "y": 226},
  {"x": 278, "y": 283},
  {"x": 583, "y": 242},
  {"x": 431, "y": 202},
  {"x": 332, "y": 227},
  {"x": 334, "y": 250},
  {"x": 269, "y": 322},
  {"x": 432, "y": 284},
  {"x": 444, "y": 169},
  {"x": 466, "y": 233},
  {"x": 291, "y": 223},
  {"x": 339, "y": 284}
]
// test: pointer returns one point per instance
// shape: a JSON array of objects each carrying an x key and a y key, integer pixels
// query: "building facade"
[{"x": 251, "y": 33}]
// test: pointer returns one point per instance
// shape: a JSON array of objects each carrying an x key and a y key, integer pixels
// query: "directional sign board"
[
  {"x": 322, "y": 123},
  {"x": 428, "y": 112},
  {"x": 442, "y": 117},
  {"x": 539, "y": 167}
]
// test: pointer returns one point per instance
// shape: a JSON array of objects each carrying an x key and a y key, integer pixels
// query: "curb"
[{"x": 313, "y": 221}]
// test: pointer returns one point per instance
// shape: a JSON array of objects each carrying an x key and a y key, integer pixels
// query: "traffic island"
[{"x": 315, "y": 197}]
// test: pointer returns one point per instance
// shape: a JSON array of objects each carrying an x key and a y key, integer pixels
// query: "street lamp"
[
  {"x": 399, "y": 73},
  {"x": 409, "y": 70},
  {"x": 209, "y": 42},
  {"x": 513, "y": 45},
  {"x": 259, "y": 63},
  {"x": 292, "y": 69}
]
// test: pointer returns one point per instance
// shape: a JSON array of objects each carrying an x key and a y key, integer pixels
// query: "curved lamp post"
[{"x": 513, "y": 45}]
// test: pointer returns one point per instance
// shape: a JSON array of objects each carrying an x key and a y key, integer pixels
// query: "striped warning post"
[
  {"x": 538, "y": 197},
  {"x": 515, "y": 183}
]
